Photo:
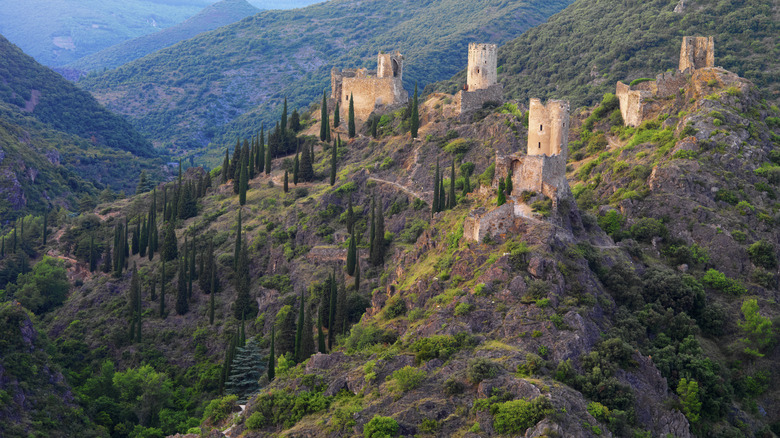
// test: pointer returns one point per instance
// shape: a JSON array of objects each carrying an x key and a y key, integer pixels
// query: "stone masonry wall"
[
  {"x": 497, "y": 222},
  {"x": 370, "y": 88},
  {"x": 470, "y": 101},
  {"x": 548, "y": 127},
  {"x": 482, "y": 70},
  {"x": 697, "y": 52}
]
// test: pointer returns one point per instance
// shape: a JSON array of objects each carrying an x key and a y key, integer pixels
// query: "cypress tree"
[
  {"x": 285, "y": 342},
  {"x": 351, "y": 117},
  {"x": 374, "y": 127},
  {"x": 508, "y": 184},
  {"x": 501, "y": 195},
  {"x": 242, "y": 334},
  {"x": 333, "y": 157},
  {"x": 341, "y": 308},
  {"x": 260, "y": 158},
  {"x": 378, "y": 256},
  {"x": 170, "y": 250},
  {"x": 351, "y": 255},
  {"x": 414, "y": 124},
  {"x": 296, "y": 168},
  {"x": 306, "y": 171},
  {"x": 92, "y": 261},
  {"x": 284, "y": 118},
  {"x": 235, "y": 160},
  {"x": 237, "y": 246},
  {"x": 372, "y": 232},
  {"x": 272, "y": 356},
  {"x": 295, "y": 121},
  {"x": 204, "y": 277},
  {"x": 107, "y": 260},
  {"x": 299, "y": 329},
  {"x": 350, "y": 216},
  {"x": 336, "y": 116},
  {"x": 328, "y": 137},
  {"x": 307, "y": 337},
  {"x": 268, "y": 158},
  {"x": 466, "y": 179},
  {"x": 182, "y": 301},
  {"x": 214, "y": 288},
  {"x": 453, "y": 199},
  {"x": 166, "y": 213},
  {"x": 332, "y": 310},
  {"x": 162, "y": 290},
  {"x": 244, "y": 183},
  {"x": 226, "y": 166},
  {"x": 323, "y": 117},
  {"x": 126, "y": 243},
  {"x": 134, "y": 303},
  {"x": 286, "y": 182},
  {"x": 191, "y": 274},
  {"x": 211, "y": 309},
  {"x": 143, "y": 241},
  {"x": 357, "y": 273},
  {"x": 136, "y": 237},
  {"x": 153, "y": 239},
  {"x": 435, "y": 206},
  {"x": 153, "y": 289},
  {"x": 320, "y": 336},
  {"x": 243, "y": 306},
  {"x": 442, "y": 194},
  {"x": 250, "y": 166}
]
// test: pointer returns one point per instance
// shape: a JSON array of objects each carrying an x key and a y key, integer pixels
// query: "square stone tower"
[
  {"x": 548, "y": 128},
  {"x": 483, "y": 66},
  {"x": 697, "y": 52},
  {"x": 390, "y": 65}
]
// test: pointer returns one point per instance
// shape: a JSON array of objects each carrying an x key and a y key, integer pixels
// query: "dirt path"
[{"x": 404, "y": 189}]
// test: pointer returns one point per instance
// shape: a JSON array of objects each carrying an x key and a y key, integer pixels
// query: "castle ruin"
[
  {"x": 638, "y": 100},
  {"x": 370, "y": 89},
  {"x": 542, "y": 170},
  {"x": 481, "y": 79}
]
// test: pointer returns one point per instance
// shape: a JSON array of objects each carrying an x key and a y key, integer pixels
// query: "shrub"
[
  {"x": 598, "y": 411},
  {"x": 458, "y": 147},
  {"x": 463, "y": 309},
  {"x": 639, "y": 81},
  {"x": 646, "y": 228},
  {"x": 532, "y": 365},
  {"x": 480, "y": 369},
  {"x": 762, "y": 253},
  {"x": 381, "y": 427},
  {"x": 726, "y": 196},
  {"x": 361, "y": 337},
  {"x": 611, "y": 222},
  {"x": 255, "y": 421},
  {"x": 395, "y": 307},
  {"x": 412, "y": 231},
  {"x": 407, "y": 378},
  {"x": 514, "y": 417},
  {"x": 437, "y": 346},
  {"x": 518, "y": 255},
  {"x": 219, "y": 409},
  {"x": 429, "y": 425},
  {"x": 453, "y": 386},
  {"x": 718, "y": 281}
]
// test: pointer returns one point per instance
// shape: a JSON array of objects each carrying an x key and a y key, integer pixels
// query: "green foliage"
[
  {"x": 611, "y": 222},
  {"x": 436, "y": 346},
  {"x": 394, "y": 308},
  {"x": 762, "y": 253},
  {"x": 481, "y": 368},
  {"x": 718, "y": 280},
  {"x": 758, "y": 328},
  {"x": 43, "y": 289},
  {"x": 640, "y": 80},
  {"x": 727, "y": 196},
  {"x": 646, "y": 228},
  {"x": 518, "y": 255},
  {"x": 514, "y": 417},
  {"x": 280, "y": 408},
  {"x": 381, "y": 427},
  {"x": 219, "y": 409},
  {"x": 463, "y": 309},
  {"x": 407, "y": 378},
  {"x": 459, "y": 146},
  {"x": 688, "y": 390},
  {"x": 363, "y": 336}
]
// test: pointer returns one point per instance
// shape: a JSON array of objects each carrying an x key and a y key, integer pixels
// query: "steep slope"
[
  {"x": 57, "y": 33},
  {"x": 35, "y": 89},
  {"x": 583, "y": 51},
  {"x": 187, "y": 95},
  {"x": 219, "y": 14}
]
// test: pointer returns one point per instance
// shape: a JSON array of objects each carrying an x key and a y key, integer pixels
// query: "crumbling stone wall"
[
  {"x": 370, "y": 89},
  {"x": 500, "y": 221},
  {"x": 697, "y": 52},
  {"x": 482, "y": 71},
  {"x": 548, "y": 127},
  {"x": 470, "y": 101},
  {"x": 631, "y": 103}
]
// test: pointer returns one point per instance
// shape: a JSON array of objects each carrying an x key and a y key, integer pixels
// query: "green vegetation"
[
  {"x": 381, "y": 427},
  {"x": 514, "y": 417}
]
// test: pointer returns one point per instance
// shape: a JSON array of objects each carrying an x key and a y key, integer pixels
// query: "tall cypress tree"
[
  {"x": 153, "y": 289},
  {"x": 244, "y": 183},
  {"x": 211, "y": 309},
  {"x": 299, "y": 329},
  {"x": 306, "y": 171},
  {"x": 235, "y": 160},
  {"x": 442, "y": 194},
  {"x": 320, "y": 335},
  {"x": 284, "y": 118},
  {"x": 378, "y": 256},
  {"x": 324, "y": 117},
  {"x": 92, "y": 256},
  {"x": 333, "y": 157},
  {"x": 244, "y": 306},
  {"x": 226, "y": 166},
  {"x": 372, "y": 232},
  {"x": 268, "y": 158},
  {"x": 453, "y": 199},
  {"x": 296, "y": 166},
  {"x": 357, "y": 273},
  {"x": 182, "y": 301},
  {"x": 307, "y": 337},
  {"x": 125, "y": 243},
  {"x": 191, "y": 268},
  {"x": 135, "y": 306},
  {"x": 143, "y": 241},
  {"x": 508, "y": 184},
  {"x": 350, "y": 216},
  {"x": 170, "y": 250},
  {"x": 272, "y": 356},
  {"x": 435, "y": 206},
  {"x": 107, "y": 260},
  {"x": 341, "y": 308},
  {"x": 336, "y": 116},
  {"x": 286, "y": 182},
  {"x": 260, "y": 158},
  {"x": 501, "y": 200},
  {"x": 351, "y": 255},
  {"x": 204, "y": 276},
  {"x": 414, "y": 124},
  {"x": 332, "y": 310},
  {"x": 136, "y": 237},
  {"x": 351, "y": 117},
  {"x": 162, "y": 290}
]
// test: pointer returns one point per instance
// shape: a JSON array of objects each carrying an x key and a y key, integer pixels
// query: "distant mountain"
[
  {"x": 580, "y": 53},
  {"x": 57, "y": 144},
  {"x": 56, "y": 33},
  {"x": 197, "y": 91},
  {"x": 219, "y": 14}
]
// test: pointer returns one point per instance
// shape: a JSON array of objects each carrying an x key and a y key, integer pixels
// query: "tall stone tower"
[
  {"x": 483, "y": 66},
  {"x": 390, "y": 65},
  {"x": 548, "y": 128},
  {"x": 697, "y": 52}
]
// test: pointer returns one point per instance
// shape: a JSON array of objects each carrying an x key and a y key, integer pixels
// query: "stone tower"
[
  {"x": 548, "y": 128},
  {"x": 390, "y": 65},
  {"x": 482, "y": 70},
  {"x": 697, "y": 52}
]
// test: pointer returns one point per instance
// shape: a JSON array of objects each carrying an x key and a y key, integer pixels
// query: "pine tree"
[
  {"x": 182, "y": 301},
  {"x": 299, "y": 328},
  {"x": 170, "y": 250},
  {"x": 351, "y": 117},
  {"x": 244, "y": 305},
  {"x": 245, "y": 371},
  {"x": 320, "y": 336},
  {"x": 244, "y": 183},
  {"x": 336, "y": 116},
  {"x": 162, "y": 290},
  {"x": 501, "y": 195},
  {"x": 324, "y": 117},
  {"x": 272, "y": 356},
  {"x": 508, "y": 183},
  {"x": 226, "y": 166},
  {"x": 414, "y": 124},
  {"x": 237, "y": 245},
  {"x": 333, "y": 156},
  {"x": 435, "y": 207},
  {"x": 452, "y": 198},
  {"x": 351, "y": 255}
]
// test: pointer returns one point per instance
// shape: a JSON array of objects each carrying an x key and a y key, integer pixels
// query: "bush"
[
  {"x": 413, "y": 230},
  {"x": 514, "y": 417},
  {"x": 718, "y": 281},
  {"x": 381, "y": 427},
  {"x": 255, "y": 421},
  {"x": 219, "y": 409},
  {"x": 437, "y": 346},
  {"x": 463, "y": 309},
  {"x": 407, "y": 378},
  {"x": 480, "y": 369},
  {"x": 518, "y": 255},
  {"x": 762, "y": 253},
  {"x": 395, "y": 307},
  {"x": 453, "y": 386},
  {"x": 611, "y": 222},
  {"x": 361, "y": 337},
  {"x": 646, "y": 228}
]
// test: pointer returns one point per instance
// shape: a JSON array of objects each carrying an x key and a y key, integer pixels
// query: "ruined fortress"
[
  {"x": 637, "y": 101},
  {"x": 541, "y": 170},
  {"x": 371, "y": 89},
  {"x": 482, "y": 79}
]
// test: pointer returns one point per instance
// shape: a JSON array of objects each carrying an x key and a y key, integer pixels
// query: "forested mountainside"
[
  {"x": 645, "y": 305},
  {"x": 581, "y": 52},
  {"x": 228, "y": 82},
  {"x": 59, "y": 147},
  {"x": 219, "y": 14},
  {"x": 57, "y": 33}
]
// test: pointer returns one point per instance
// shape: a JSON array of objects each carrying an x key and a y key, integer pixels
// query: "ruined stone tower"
[
  {"x": 371, "y": 89},
  {"x": 697, "y": 52},
  {"x": 483, "y": 66},
  {"x": 548, "y": 128}
]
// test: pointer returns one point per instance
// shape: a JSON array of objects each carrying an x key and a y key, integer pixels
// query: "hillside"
[
  {"x": 60, "y": 32},
  {"x": 219, "y": 14},
  {"x": 229, "y": 81},
  {"x": 581, "y": 52},
  {"x": 629, "y": 312}
]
